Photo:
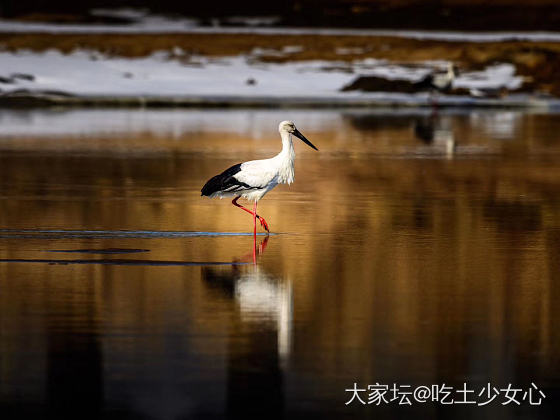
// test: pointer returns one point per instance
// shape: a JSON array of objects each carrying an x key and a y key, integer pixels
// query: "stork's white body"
[{"x": 265, "y": 174}]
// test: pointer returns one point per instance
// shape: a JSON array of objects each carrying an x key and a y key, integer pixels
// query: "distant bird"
[
  {"x": 252, "y": 180},
  {"x": 439, "y": 80}
]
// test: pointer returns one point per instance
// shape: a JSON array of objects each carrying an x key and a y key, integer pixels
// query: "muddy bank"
[
  {"x": 537, "y": 62},
  {"x": 536, "y": 15}
]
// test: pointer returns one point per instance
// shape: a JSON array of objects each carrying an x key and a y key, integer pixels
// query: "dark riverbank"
[{"x": 410, "y": 14}]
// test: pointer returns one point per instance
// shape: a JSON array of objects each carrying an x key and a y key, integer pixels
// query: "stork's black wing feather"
[
  {"x": 225, "y": 182},
  {"x": 427, "y": 82}
]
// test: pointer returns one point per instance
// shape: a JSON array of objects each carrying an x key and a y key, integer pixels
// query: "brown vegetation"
[{"x": 539, "y": 62}]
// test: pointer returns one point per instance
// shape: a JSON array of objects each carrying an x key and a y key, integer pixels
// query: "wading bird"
[
  {"x": 438, "y": 81},
  {"x": 252, "y": 180}
]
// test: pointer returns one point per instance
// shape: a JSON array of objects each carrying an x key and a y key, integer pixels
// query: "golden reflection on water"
[{"x": 413, "y": 248}]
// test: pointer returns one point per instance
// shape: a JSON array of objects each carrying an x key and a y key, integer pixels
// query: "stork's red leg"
[
  {"x": 261, "y": 219},
  {"x": 434, "y": 101},
  {"x": 255, "y": 218},
  {"x": 235, "y": 203},
  {"x": 263, "y": 223},
  {"x": 255, "y": 233},
  {"x": 255, "y": 248}
]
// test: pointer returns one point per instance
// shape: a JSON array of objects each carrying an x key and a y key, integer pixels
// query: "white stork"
[
  {"x": 252, "y": 180},
  {"x": 439, "y": 80}
]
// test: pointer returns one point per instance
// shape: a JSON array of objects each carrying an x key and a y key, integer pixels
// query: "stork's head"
[
  {"x": 452, "y": 69},
  {"x": 290, "y": 127},
  {"x": 287, "y": 126}
]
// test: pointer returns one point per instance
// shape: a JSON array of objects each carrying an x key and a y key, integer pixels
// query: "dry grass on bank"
[{"x": 539, "y": 62}]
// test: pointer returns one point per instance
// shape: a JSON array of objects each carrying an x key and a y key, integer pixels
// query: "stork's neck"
[
  {"x": 450, "y": 71},
  {"x": 286, "y": 158},
  {"x": 287, "y": 152}
]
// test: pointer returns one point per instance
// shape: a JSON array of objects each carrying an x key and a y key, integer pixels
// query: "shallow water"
[{"x": 413, "y": 248}]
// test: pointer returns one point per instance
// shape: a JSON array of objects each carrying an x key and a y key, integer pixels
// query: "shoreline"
[
  {"x": 50, "y": 100},
  {"x": 537, "y": 62},
  {"x": 8, "y": 27}
]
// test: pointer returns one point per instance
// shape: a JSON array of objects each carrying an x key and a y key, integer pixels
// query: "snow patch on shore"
[{"x": 172, "y": 74}]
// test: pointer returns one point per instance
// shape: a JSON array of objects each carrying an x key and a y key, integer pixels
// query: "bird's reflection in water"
[
  {"x": 259, "y": 339},
  {"x": 435, "y": 133}
]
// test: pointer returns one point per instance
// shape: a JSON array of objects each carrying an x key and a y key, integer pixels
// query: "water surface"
[{"x": 415, "y": 248}]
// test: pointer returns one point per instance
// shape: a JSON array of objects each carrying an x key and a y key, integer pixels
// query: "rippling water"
[{"x": 414, "y": 248}]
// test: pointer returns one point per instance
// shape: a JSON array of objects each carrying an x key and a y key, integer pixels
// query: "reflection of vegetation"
[
  {"x": 364, "y": 122},
  {"x": 514, "y": 216}
]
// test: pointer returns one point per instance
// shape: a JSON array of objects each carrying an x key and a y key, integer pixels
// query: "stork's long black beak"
[{"x": 303, "y": 139}]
